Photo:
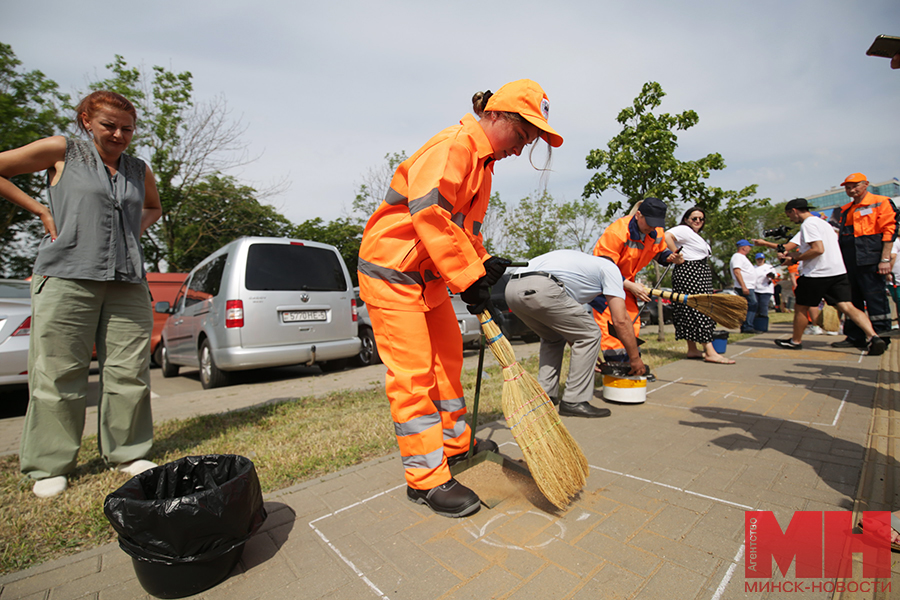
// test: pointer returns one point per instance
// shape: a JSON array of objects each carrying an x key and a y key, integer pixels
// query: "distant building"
[{"x": 836, "y": 196}]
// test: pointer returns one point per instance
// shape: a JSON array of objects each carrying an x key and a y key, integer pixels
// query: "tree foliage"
[
  {"x": 31, "y": 108},
  {"x": 189, "y": 146},
  {"x": 344, "y": 234},
  {"x": 218, "y": 211},
  {"x": 640, "y": 161}
]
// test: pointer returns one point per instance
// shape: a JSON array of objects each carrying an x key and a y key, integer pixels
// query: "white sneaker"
[
  {"x": 813, "y": 330},
  {"x": 51, "y": 486},
  {"x": 135, "y": 467}
]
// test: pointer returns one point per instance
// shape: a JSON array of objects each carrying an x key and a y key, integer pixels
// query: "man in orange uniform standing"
[
  {"x": 424, "y": 238},
  {"x": 868, "y": 227},
  {"x": 632, "y": 242}
]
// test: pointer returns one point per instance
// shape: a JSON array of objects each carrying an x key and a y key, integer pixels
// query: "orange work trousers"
[
  {"x": 423, "y": 354},
  {"x": 610, "y": 347}
]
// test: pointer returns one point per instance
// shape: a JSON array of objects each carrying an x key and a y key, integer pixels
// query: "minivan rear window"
[{"x": 283, "y": 267}]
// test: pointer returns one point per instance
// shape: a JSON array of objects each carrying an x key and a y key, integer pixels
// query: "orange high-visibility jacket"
[
  {"x": 867, "y": 226},
  {"x": 630, "y": 255},
  {"x": 425, "y": 236}
]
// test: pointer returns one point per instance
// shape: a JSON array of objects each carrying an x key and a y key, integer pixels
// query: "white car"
[{"x": 15, "y": 329}]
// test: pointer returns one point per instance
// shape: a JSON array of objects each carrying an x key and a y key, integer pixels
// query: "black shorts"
[{"x": 811, "y": 290}]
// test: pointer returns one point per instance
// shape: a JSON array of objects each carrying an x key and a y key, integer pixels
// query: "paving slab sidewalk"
[{"x": 661, "y": 516}]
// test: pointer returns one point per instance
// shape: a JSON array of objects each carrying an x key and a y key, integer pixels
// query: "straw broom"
[
  {"x": 554, "y": 458},
  {"x": 725, "y": 309}
]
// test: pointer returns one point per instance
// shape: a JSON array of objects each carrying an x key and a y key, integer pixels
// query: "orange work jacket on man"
[
  {"x": 865, "y": 226},
  {"x": 425, "y": 238},
  {"x": 625, "y": 245}
]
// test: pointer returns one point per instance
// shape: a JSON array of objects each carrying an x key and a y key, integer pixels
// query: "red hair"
[{"x": 102, "y": 99}]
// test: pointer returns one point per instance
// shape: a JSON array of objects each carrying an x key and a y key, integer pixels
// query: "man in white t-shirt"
[
  {"x": 549, "y": 296},
  {"x": 744, "y": 274},
  {"x": 822, "y": 275},
  {"x": 894, "y": 278}
]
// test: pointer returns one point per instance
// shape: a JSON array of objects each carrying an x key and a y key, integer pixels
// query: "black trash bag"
[{"x": 185, "y": 523}]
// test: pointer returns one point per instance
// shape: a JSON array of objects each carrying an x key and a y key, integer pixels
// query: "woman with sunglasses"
[{"x": 694, "y": 276}]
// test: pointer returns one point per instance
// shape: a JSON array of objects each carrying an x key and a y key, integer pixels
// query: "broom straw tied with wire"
[
  {"x": 554, "y": 458},
  {"x": 725, "y": 309}
]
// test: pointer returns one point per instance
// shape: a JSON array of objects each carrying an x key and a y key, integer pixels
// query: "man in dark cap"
[{"x": 632, "y": 242}]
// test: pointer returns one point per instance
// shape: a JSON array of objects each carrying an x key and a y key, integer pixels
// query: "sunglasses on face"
[{"x": 697, "y": 219}]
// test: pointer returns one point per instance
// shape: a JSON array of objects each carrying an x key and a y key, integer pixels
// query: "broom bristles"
[
  {"x": 554, "y": 458},
  {"x": 727, "y": 310}
]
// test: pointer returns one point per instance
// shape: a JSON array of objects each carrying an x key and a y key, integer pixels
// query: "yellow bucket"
[{"x": 628, "y": 390}]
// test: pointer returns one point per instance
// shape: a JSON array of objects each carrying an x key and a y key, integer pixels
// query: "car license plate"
[{"x": 293, "y": 316}]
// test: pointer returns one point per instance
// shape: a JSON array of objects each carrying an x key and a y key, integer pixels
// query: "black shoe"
[
  {"x": 480, "y": 446},
  {"x": 847, "y": 343},
  {"x": 789, "y": 344},
  {"x": 451, "y": 499},
  {"x": 876, "y": 346},
  {"x": 554, "y": 400},
  {"x": 582, "y": 409}
]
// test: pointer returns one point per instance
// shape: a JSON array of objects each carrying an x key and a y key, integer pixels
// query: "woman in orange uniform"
[
  {"x": 632, "y": 242},
  {"x": 424, "y": 238}
]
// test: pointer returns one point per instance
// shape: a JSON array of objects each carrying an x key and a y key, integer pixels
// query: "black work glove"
[
  {"x": 477, "y": 296},
  {"x": 494, "y": 267}
]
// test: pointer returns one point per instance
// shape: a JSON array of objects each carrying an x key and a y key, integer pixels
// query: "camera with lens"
[{"x": 783, "y": 232}]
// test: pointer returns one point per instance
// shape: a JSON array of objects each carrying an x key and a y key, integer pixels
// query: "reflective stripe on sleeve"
[{"x": 430, "y": 199}]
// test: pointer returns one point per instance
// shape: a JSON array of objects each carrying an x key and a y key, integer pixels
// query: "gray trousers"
[
  {"x": 544, "y": 305},
  {"x": 68, "y": 316}
]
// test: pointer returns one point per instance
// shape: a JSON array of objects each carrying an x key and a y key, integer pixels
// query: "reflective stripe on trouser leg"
[
  {"x": 423, "y": 355},
  {"x": 125, "y": 421},
  {"x": 611, "y": 348}
]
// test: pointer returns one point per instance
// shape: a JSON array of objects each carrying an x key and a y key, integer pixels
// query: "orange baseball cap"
[
  {"x": 528, "y": 99},
  {"x": 854, "y": 178}
]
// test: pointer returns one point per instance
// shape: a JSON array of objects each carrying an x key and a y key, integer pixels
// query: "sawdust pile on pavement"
[{"x": 494, "y": 484}]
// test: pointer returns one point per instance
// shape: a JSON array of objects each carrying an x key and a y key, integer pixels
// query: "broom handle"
[
  {"x": 673, "y": 296},
  {"x": 477, "y": 396}
]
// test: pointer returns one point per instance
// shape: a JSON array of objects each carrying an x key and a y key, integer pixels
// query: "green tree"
[
  {"x": 31, "y": 108},
  {"x": 640, "y": 161},
  {"x": 218, "y": 211},
  {"x": 188, "y": 145},
  {"x": 344, "y": 234},
  {"x": 533, "y": 226}
]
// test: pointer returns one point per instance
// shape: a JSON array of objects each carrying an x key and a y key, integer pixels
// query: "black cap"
[
  {"x": 654, "y": 211},
  {"x": 798, "y": 203}
]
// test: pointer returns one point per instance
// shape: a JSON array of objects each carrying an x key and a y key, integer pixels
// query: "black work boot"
[
  {"x": 451, "y": 499},
  {"x": 582, "y": 409},
  {"x": 480, "y": 446}
]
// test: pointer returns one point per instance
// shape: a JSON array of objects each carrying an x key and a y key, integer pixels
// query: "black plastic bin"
[{"x": 185, "y": 523}]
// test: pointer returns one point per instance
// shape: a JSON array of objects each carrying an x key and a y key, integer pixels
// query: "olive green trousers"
[{"x": 68, "y": 317}]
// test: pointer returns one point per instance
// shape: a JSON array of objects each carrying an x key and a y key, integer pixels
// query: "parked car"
[
  {"x": 650, "y": 314},
  {"x": 261, "y": 302},
  {"x": 511, "y": 326},
  {"x": 368, "y": 351},
  {"x": 163, "y": 288},
  {"x": 15, "y": 328}
]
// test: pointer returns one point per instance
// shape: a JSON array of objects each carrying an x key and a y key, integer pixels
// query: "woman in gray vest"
[{"x": 89, "y": 288}]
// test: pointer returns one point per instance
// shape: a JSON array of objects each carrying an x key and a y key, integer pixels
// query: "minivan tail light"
[
  {"x": 25, "y": 328},
  {"x": 353, "y": 310},
  {"x": 234, "y": 313}
]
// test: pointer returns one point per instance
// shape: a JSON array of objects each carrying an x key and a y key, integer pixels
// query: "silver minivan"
[{"x": 261, "y": 302}]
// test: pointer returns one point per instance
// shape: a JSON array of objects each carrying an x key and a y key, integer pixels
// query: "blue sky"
[{"x": 784, "y": 89}]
